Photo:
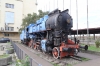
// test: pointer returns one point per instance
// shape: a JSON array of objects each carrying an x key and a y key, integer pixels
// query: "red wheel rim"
[{"x": 55, "y": 52}]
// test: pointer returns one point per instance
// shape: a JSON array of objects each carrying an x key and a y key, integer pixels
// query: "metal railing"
[{"x": 21, "y": 55}]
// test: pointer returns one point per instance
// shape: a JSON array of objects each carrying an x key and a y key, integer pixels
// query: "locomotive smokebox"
[
  {"x": 65, "y": 21},
  {"x": 59, "y": 20}
]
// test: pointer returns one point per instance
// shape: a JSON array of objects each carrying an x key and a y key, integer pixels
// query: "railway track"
[
  {"x": 57, "y": 62},
  {"x": 76, "y": 58}
]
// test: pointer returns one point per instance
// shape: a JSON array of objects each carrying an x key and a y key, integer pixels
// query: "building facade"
[{"x": 11, "y": 14}]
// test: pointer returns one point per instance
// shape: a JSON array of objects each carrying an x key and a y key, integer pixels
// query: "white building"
[{"x": 11, "y": 14}]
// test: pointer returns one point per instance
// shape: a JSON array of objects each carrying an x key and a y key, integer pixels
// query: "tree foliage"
[{"x": 32, "y": 18}]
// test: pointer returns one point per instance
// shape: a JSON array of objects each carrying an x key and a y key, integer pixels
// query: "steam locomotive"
[{"x": 50, "y": 35}]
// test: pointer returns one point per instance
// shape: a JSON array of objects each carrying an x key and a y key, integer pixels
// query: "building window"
[
  {"x": 9, "y": 17},
  {"x": 6, "y": 28},
  {"x": 7, "y": 5},
  {"x": 9, "y": 28},
  {"x": 11, "y": 34},
  {"x": 6, "y": 34}
]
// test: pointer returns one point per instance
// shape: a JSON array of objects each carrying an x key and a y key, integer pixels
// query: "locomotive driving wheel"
[{"x": 56, "y": 52}]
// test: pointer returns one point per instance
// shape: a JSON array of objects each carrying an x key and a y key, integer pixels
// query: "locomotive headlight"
[{"x": 68, "y": 20}]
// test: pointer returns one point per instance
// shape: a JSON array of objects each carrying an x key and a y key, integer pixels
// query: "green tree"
[
  {"x": 32, "y": 18},
  {"x": 41, "y": 13}
]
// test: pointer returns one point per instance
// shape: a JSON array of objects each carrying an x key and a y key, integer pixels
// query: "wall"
[{"x": 12, "y": 35}]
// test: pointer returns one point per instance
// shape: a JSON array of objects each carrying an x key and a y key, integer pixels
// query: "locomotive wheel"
[{"x": 56, "y": 52}]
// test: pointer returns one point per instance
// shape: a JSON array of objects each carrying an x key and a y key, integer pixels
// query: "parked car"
[{"x": 4, "y": 40}]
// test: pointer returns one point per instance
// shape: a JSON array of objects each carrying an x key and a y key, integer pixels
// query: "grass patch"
[
  {"x": 38, "y": 54},
  {"x": 69, "y": 65},
  {"x": 4, "y": 56},
  {"x": 8, "y": 42},
  {"x": 85, "y": 59},
  {"x": 9, "y": 48},
  {"x": 93, "y": 48},
  {"x": 55, "y": 64}
]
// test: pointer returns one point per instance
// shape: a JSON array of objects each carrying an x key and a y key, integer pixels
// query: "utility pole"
[
  {"x": 87, "y": 25},
  {"x": 57, "y": 3},
  {"x": 70, "y": 7},
  {"x": 36, "y": 5},
  {"x": 77, "y": 16},
  {"x": 49, "y": 6},
  {"x": 63, "y": 4},
  {"x": 54, "y": 4}
]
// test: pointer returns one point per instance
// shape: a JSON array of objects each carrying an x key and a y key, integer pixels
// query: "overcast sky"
[{"x": 93, "y": 11}]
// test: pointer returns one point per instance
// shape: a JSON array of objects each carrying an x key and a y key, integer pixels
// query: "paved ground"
[
  {"x": 95, "y": 60},
  {"x": 89, "y": 56}
]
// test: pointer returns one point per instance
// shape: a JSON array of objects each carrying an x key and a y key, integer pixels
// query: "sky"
[{"x": 93, "y": 11}]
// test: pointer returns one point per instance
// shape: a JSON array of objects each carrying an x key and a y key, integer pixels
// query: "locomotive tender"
[{"x": 50, "y": 34}]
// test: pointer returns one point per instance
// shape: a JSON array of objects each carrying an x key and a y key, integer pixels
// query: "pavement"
[
  {"x": 94, "y": 60},
  {"x": 89, "y": 56}
]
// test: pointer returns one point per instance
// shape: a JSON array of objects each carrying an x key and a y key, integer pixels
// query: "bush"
[
  {"x": 23, "y": 62},
  {"x": 97, "y": 43}
]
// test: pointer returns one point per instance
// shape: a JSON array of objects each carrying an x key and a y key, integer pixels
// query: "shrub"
[
  {"x": 97, "y": 43},
  {"x": 23, "y": 62}
]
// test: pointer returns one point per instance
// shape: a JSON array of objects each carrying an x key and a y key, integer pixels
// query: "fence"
[{"x": 21, "y": 55}]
